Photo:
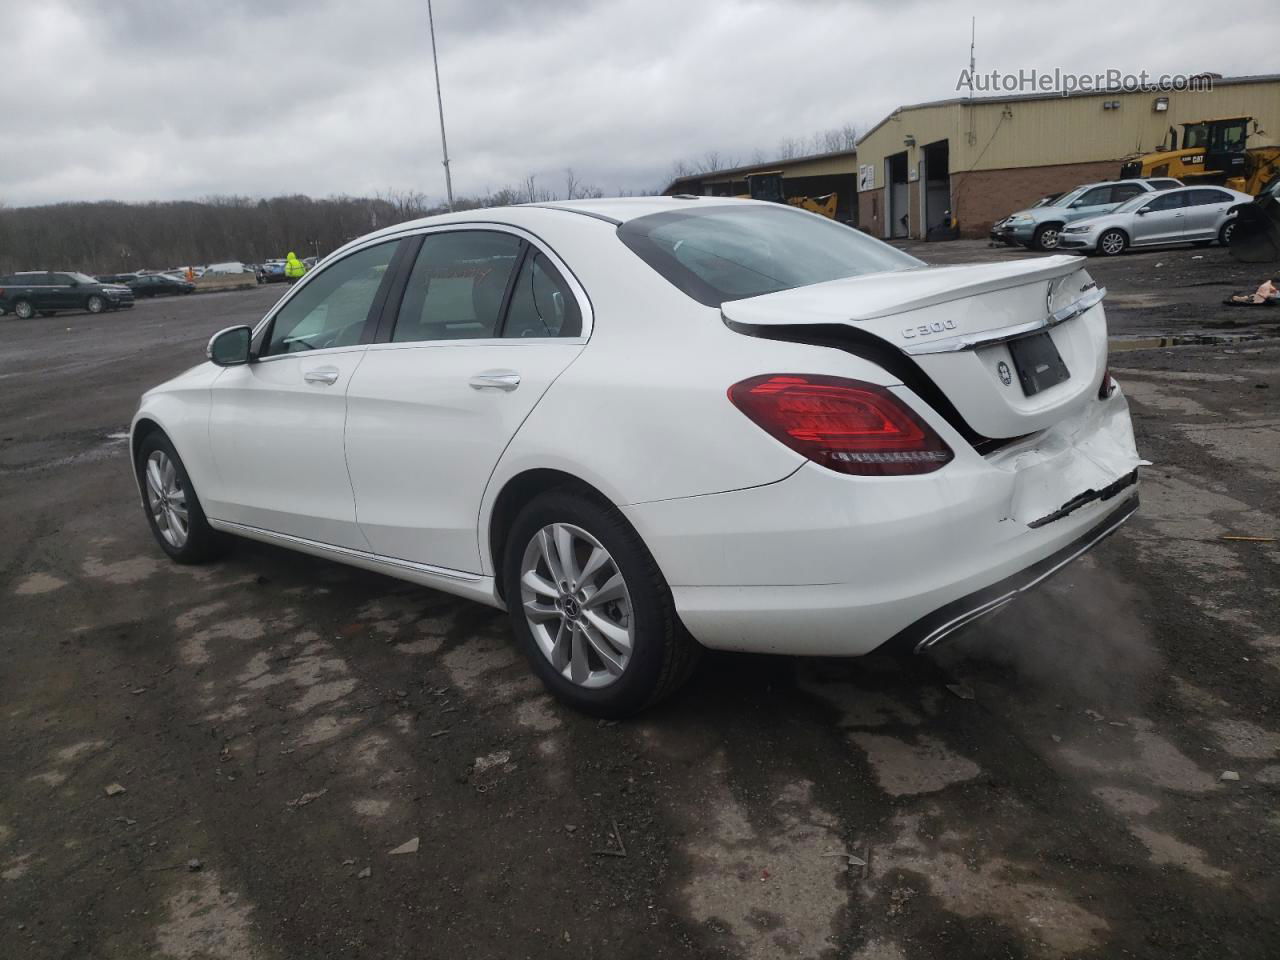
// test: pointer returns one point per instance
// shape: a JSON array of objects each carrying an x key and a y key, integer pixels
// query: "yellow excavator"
[
  {"x": 1212, "y": 152},
  {"x": 768, "y": 186}
]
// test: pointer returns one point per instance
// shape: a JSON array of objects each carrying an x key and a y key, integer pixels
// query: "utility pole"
[{"x": 444, "y": 143}]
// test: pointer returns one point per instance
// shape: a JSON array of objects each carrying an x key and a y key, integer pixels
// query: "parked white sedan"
[
  {"x": 648, "y": 425},
  {"x": 1185, "y": 215}
]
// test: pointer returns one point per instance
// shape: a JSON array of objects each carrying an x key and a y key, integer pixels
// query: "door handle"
[
  {"x": 506, "y": 380},
  {"x": 326, "y": 375}
]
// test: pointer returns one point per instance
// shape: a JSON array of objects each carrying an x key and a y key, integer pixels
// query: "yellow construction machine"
[
  {"x": 768, "y": 186},
  {"x": 1212, "y": 152}
]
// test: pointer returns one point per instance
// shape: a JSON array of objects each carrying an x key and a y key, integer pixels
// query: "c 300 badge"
[{"x": 1006, "y": 375}]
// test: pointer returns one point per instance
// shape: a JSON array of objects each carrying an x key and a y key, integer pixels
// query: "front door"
[
  {"x": 276, "y": 424},
  {"x": 64, "y": 293},
  {"x": 486, "y": 323},
  {"x": 1160, "y": 220}
]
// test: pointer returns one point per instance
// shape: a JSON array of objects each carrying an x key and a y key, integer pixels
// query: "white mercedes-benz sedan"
[{"x": 645, "y": 426}]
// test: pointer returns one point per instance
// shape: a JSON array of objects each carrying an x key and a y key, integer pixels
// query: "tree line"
[{"x": 113, "y": 237}]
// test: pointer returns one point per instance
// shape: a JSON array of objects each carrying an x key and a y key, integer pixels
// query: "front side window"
[
  {"x": 1166, "y": 201},
  {"x": 333, "y": 306},
  {"x": 541, "y": 303},
  {"x": 1094, "y": 198},
  {"x": 1195, "y": 135},
  {"x": 457, "y": 286},
  {"x": 720, "y": 253}
]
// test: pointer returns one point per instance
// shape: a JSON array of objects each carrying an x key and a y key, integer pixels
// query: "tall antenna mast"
[
  {"x": 444, "y": 143},
  {"x": 973, "y": 36}
]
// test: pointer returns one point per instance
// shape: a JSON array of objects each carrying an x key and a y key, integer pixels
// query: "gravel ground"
[{"x": 226, "y": 762}]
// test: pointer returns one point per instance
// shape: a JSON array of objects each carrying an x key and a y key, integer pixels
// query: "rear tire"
[
  {"x": 1046, "y": 236},
  {"x": 23, "y": 310},
  {"x": 1112, "y": 243},
  {"x": 1224, "y": 235},
  {"x": 165, "y": 495},
  {"x": 95, "y": 304},
  {"x": 608, "y": 660}
]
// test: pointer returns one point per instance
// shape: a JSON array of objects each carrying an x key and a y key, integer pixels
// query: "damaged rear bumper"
[
  {"x": 946, "y": 620},
  {"x": 821, "y": 564}
]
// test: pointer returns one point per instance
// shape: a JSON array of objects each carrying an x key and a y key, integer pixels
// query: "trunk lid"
[{"x": 970, "y": 329}]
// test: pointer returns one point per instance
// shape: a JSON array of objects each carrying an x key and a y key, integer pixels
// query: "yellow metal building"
[{"x": 978, "y": 159}]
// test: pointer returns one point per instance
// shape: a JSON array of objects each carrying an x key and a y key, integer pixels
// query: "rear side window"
[
  {"x": 541, "y": 303},
  {"x": 457, "y": 286},
  {"x": 1123, "y": 191},
  {"x": 720, "y": 253},
  {"x": 1204, "y": 197}
]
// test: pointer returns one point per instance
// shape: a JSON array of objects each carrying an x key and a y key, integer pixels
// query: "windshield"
[
  {"x": 724, "y": 253},
  {"x": 1194, "y": 135}
]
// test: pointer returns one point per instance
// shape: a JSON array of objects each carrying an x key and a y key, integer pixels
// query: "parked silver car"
[
  {"x": 1185, "y": 215},
  {"x": 1039, "y": 227}
]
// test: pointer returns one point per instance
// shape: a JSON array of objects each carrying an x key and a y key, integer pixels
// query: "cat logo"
[{"x": 928, "y": 329}]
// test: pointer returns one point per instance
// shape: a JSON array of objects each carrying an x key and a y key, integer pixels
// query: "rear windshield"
[{"x": 720, "y": 253}]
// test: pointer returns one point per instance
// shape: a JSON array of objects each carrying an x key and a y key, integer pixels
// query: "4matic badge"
[{"x": 928, "y": 329}]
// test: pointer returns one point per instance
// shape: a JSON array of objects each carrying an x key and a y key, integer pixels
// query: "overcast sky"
[{"x": 140, "y": 100}]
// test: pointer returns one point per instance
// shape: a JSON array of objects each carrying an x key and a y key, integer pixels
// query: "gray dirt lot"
[{"x": 287, "y": 722}]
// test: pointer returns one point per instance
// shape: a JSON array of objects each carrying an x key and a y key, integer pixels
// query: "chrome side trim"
[
  {"x": 288, "y": 540},
  {"x": 989, "y": 606},
  {"x": 972, "y": 341}
]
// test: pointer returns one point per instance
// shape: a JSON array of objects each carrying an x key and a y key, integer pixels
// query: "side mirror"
[
  {"x": 230, "y": 347},
  {"x": 75, "y": 283},
  {"x": 1141, "y": 211}
]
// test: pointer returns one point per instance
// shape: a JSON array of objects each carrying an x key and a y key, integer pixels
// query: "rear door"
[
  {"x": 1204, "y": 212},
  {"x": 1161, "y": 220},
  {"x": 276, "y": 424},
  {"x": 487, "y": 319}
]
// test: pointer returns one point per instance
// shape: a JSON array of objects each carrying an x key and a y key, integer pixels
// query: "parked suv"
[
  {"x": 47, "y": 293},
  {"x": 1040, "y": 227}
]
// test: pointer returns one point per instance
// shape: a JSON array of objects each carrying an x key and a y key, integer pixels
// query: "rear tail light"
[
  {"x": 844, "y": 425},
  {"x": 1108, "y": 386}
]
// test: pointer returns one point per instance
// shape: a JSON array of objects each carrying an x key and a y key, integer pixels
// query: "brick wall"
[{"x": 982, "y": 197}]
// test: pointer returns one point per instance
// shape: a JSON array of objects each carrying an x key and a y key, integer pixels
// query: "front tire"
[
  {"x": 95, "y": 304},
  {"x": 1112, "y": 243},
  {"x": 591, "y": 609},
  {"x": 173, "y": 510},
  {"x": 1046, "y": 237}
]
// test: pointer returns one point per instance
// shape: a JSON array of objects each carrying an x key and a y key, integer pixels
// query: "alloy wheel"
[
  {"x": 166, "y": 499},
  {"x": 95, "y": 305},
  {"x": 1227, "y": 230},
  {"x": 23, "y": 310},
  {"x": 1112, "y": 243},
  {"x": 577, "y": 605},
  {"x": 1049, "y": 239}
]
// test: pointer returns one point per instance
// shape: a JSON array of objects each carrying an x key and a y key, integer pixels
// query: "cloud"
[{"x": 138, "y": 99}]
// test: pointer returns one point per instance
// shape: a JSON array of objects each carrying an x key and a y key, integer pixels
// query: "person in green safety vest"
[{"x": 293, "y": 268}]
